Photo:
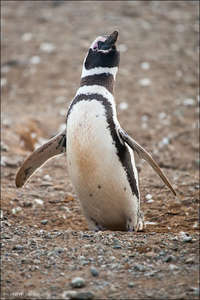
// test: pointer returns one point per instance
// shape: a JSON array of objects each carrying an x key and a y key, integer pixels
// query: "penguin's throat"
[{"x": 104, "y": 79}]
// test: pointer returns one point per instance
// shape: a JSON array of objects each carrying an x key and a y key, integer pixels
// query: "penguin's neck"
[{"x": 100, "y": 76}]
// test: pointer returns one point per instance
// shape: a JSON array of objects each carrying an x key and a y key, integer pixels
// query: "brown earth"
[{"x": 45, "y": 244}]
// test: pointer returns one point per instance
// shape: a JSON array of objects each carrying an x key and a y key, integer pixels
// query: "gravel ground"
[{"x": 47, "y": 250}]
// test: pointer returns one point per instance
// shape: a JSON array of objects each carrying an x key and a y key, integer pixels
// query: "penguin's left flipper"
[
  {"x": 142, "y": 153},
  {"x": 55, "y": 146}
]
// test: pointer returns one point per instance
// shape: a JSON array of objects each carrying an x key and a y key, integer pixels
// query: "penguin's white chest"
[{"x": 94, "y": 167}]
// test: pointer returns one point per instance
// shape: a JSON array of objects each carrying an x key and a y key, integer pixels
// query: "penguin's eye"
[{"x": 100, "y": 44}]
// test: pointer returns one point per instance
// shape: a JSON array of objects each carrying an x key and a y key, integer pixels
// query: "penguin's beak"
[{"x": 110, "y": 41}]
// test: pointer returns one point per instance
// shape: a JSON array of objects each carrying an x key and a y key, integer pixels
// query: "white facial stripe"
[
  {"x": 98, "y": 39},
  {"x": 99, "y": 70}
]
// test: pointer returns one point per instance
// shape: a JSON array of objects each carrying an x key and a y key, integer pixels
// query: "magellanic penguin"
[{"x": 100, "y": 154}]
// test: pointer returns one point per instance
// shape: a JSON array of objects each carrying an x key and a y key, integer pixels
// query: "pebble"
[
  {"x": 117, "y": 246},
  {"x": 27, "y": 36},
  {"x": 122, "y": 48},
  {"x": 148, "y": 196},
  {"x": 131, "y": 284},
  {"x": 69, "y": 294},
  {"x": 39, "y": 201},
  {"x": 144, "y": 118},
  {"x": 59, "y": 250},
  {"x": 44, "y": 222},
  {"x": 62, "y": 112},
  {"x": 18, "y": 247},
  {"x": 123, "y": 105},
  {"x": 3, "y": 82},
  {"x": 145, "y": 65},
  {"x": 185, "y": 237},
  {"x": 15, "y": 210},
  {"x": 47, "y": 177},
  {"x": 188, "y": 102},
  {"x": 195, "y": 290},
  {"x": 4, "y": 147},
  {"x": 9, "y": 162},
  {"x": 169, "y": 258},
  {"x": 78, "y": 282},
  {"x": 165, "y": 141},
  {"x": 27, "y": 204},
  {"x": 139, "y": 267},
  {"x": 145, "y": 82},
  {"x": 94, "y": 272},
  {"x": 35, "y": 60},
  {"x": 83, "y": 296},
  {"x": 173, "y": 267},
  {"x": 162, "y": 115},
  {"x": 47, "y": 47}
]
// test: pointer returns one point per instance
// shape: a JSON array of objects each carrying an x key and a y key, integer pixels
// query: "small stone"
[
  {"x": 139, "y": 267},
  {"x": 122, "y": 48},
  {"x": 145, "y": 82},
  {"x": 69, "y": 294},
  {"x": 144, "y": 118},
  {"x": 78, "y": 282},
  {"x": 185, "y": 237},
  {"x": 27, "y": 36},
  {"x": 39, "y": 201},
  {"x": 35, "y": 60},
  {"x": 94, "y": 271},
  {"x": 169, "y": 258},
  {"x": 117, "y": 246},
  {"x": 15, "y": 210},
  {"x": 145, "y": 65},
  {"x": 84, "y": 296},
  {"x": 150, "y": 223},
  {"x": 47, "y": 47},
  {"x": 44, "y": 222},
  {"x": 162, "y": 115},
  {"x": 27, "y": 204},
  {"x": 195, "y": 290},
  {"x": 173, "y": 267},
  {"x": 47, "y": 177},
  {"x": 3, "y": 82},
  {"x": 18, "y": 247},
  {"x": 148, "y": 196},
  {"x": 123, "y": 105},
  {"x": 59, "y": 250},
  {"x": 62, "y": 112},
  {"x": 188, "y": 102},
  {"x": 131, "y": 284},
  {"x": 9, "y": 162},
  {"x": 4, "y": 147},
  {"x": 150, "y": 201}
]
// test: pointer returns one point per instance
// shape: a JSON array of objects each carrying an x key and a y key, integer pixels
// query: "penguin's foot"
[
  {"x": 94, "y": 226},
  {"x": 140, "y": 223}
]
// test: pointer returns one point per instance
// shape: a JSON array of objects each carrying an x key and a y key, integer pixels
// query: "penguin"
[{"x": 100, "y": 154}]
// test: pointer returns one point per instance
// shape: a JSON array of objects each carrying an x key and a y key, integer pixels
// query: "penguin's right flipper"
[
  {"x": 142, "y": 153},
  {"x": 55, "y": 146}
]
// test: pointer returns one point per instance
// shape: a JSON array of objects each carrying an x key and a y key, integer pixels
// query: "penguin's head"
[{"x": 103, "y": 52}]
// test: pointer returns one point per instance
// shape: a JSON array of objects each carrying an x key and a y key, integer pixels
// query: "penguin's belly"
[{"x": 95, "y": 169}]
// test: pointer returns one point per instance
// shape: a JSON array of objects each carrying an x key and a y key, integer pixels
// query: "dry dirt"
[{"x": 45, "y": 242}]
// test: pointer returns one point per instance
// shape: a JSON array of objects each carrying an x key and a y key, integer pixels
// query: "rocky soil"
[{"x": 47, "y": 250}]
